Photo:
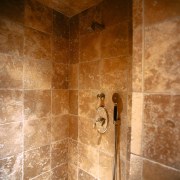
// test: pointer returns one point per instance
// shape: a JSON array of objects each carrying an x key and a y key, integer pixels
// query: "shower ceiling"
[{"x": 70, "y": 7}]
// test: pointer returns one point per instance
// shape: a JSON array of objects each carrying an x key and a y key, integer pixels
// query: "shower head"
[
  {"x": 97, "y": 26},
  {"x": 115, "y": 98}
]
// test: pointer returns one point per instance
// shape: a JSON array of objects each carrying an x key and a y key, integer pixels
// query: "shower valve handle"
[{"x": 115, "y": 112}]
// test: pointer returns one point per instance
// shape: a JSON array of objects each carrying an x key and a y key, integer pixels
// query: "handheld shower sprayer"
[{"x": 115, "y": 99}]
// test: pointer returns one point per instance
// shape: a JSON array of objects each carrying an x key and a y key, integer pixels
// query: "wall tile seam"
[{"x": 80, "y": 168}]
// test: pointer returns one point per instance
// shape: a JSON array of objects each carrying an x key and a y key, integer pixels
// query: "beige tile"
[
  {"x": 38, "y": 16},
  {"x": 11, "y": 71},
  {"x": 73, "y": 127},
  {"x": 73, "y": 102},
  {"x": 73, "y": 152},
  {"x": 37, "y": 133},
  {"x": 36, "y": 162},
  {"x": 82, "y": 175},
  {"x": 60, "y": 128},
  {"x": 72, "y": 172},
  {"x": 37, "y": 104},
  {"x": 59, "y": 153},
  {"x": 73, "y": 76},
  {"x": 44, "y": 176},
  {"x": 60, "y": 172},
  {"x": 11, "y": 139},
  {"x": 11, "y": 106}
]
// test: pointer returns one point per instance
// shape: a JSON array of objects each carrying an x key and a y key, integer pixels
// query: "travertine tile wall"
[
  {"x": 155, "y": 142},
  {"x": 100, "y": 61},
  {"x": 34, "y": 97}
]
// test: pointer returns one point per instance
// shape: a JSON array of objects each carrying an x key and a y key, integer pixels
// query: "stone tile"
[
  {"x": 74, "y": 51},
  {"x": 60, "y": 102},
  {"x": 73, "y": 76},
  {"x": 59, "y": 153},
  {"x": 114, "y": 74},
  {"x": 60, "y": 128},
  {"x": 158, "y": 172},
  {"x": 115, "y": 41},
  {"x": 74, "y": 27},
  {"x": 37, "y": 133},
  {"x": 11, "y": 139},
  {"x": 161, "y": 66},
  {"x": 60, "y": 49},
  {"x": 11, "y": 72},
  {"x": 11, "y": 106},
  {"x": 12, "y": 10},
  {"x": 161, "y": 130},
  {"x": 37, "y": 44},
  {"x": 89, "y": 77},
  {"x": 105, "y": 166},
  {"x": 60, "y": 172},
  {"x": 73, "y": 127},
  {"x": 82, "y": 175},
  {"x": 73, "y": 102},
  {"x": 92, "y": 51},
  {"x": 37, "y": 104},
  {"x": 44, "y": 176},
  {"x": 73, "y": 152},
  {"x": 36, "y": 162},
  {"x": 157, "y": 11},
  {"x": 88, "y": 159},
  {"x": 72, "y": 172},
  {"x": 37, "y": 74},
  {"x": 11, "y": 37},
  {"x": 11, "y": 167},
  {"x": 38, "y": 16},
  {"x": 59, "y": 76}
]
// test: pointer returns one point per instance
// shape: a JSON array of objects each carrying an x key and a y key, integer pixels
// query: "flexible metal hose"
[{"x": 115, "y": 153}]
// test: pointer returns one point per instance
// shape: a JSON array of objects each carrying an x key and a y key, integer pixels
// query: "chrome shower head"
[{"x": 115, "y": 98}]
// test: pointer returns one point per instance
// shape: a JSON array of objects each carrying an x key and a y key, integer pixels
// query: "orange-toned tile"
[
  {"x": 60, "y": 102},
  {"x": 60, "y": 128},
  {"x": 11, "y": 105},
  {"x": 37, "y": 104},
  {"x": 11, "y": 167},
  {"x": 11, "y": 139},
  {"x": 92, "y": 51},
  {"x": 89, "y": 77},
  {"x": 73, "y": 102},
  {"x": 73, "y": 76},
  {"x": 60, "y": 172},
  {"x": 59, "y": 76},
  {"x": 37, "y": 44},
  {"x": 36, "y": 162},
  {"x": 59, "y": 153},
  {"x": 37, "y": 74},
  {"x": 38, "y": 16},
  {"x": 37, "y": 133},
  {"x": 11, "y": 37},
  {"x": 74, "y": 51},
  {"x": 72, "y": 172},
  {"x": 73, "y": 152},
  {"x": 11, "y": 71},
  {"x": 82, "y": 175},
  {"x": 74, "y": 27},
  {"x": 44, "y": 176},
  {"x": 73, "y": 127}
]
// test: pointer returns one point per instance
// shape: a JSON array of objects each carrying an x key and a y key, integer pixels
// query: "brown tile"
[
  {"x": 59, "y": 153},
  {"x": 92, "y": 51},
  {"x": 11, "y": 167},
  {"x": 105, "y": 166},
  {"x": 59, "y": 76},
  {"x": 115, "y": 41},
  {"x": 88, "y": 159},
  {"x": 11, "y": 37},
  {"x": 60, "y": 102},
  {"x": 73, "y": 127},
  {"x": 37, "y": 133},
  {"x": 74, "y": 27},
  {"x": 161, "y": 66},
  {"x": 37, "y": 74},
  {"x": 37, "y": 44},
  {"x": 73, "y": 102},
  {"x": 11, "y": 106},
  {"x": 60, "y": 128},
  {"x": 82, "y": 175},
  {"x": 73, "y": 76},
  {"x": 11, "y": 72},
  {"x": 11, "y": 139},
  {"x": 36, "y": 162},
  {"x": 44, "y": 176},
  {"x": 60, "y": 172},
  {"x": 158, "y": 172},
  {"x": 72, "y": 172},
  {"x": 114, "y": 74},
  {"x": 161, "y": 137},
  {"x": 89, "y": 77},
  {"x": 38, "y": 16},
  {"x": 157, "y": 11},
  {"x": 60, "y": 25},
  {"x": 12, "y": 10},
  {"x": 74, "y": 51},
  {"x": 73, "y": 152},
  {"x": 37, "y": 104}
]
